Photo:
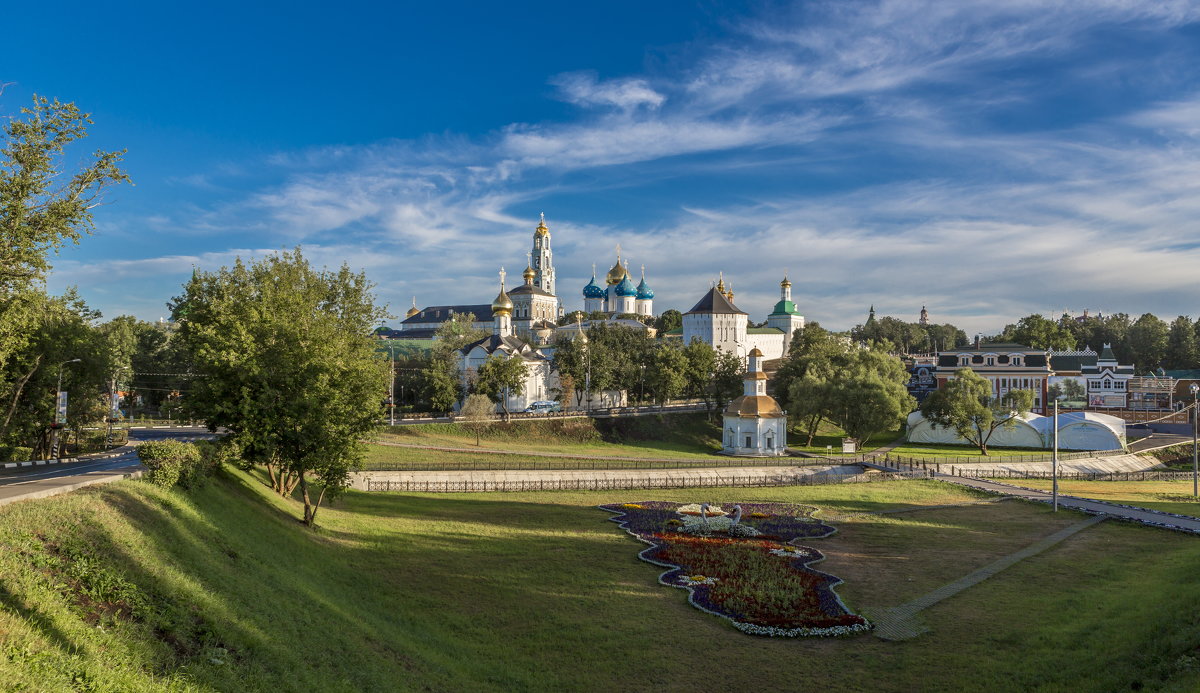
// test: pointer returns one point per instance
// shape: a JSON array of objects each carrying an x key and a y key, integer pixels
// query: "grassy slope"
[{"x": 539, "y": 592}]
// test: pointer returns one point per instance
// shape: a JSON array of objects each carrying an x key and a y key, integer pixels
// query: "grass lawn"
[
  {"x": 387, "y": 457},
  {"x": 537, "y": 591},
  {"x": 1167, "y": 496},
  {"x": 831, "y": 435},
  {"x": 675, "y": 436}
]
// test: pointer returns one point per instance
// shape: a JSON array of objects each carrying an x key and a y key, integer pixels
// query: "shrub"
[
  {"x": 15, "y": 453},
  {"x": 169, "y": 462}
]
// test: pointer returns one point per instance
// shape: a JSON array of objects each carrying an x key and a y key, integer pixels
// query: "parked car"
[{"x": 543, "y": 407}]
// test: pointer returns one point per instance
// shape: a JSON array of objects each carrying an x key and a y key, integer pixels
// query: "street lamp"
[
  {"x": 58, "y": 405},
  {"x": 392, "y": 383},
  {"x": 1195, "y": 467},
  {"x": 587, "y": 379},
  {"x": 112, "y": 404},
  {"x": 1054, "y": 459}
]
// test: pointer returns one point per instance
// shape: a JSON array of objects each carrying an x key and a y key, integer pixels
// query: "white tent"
[{"x": 1076, "y": 431}]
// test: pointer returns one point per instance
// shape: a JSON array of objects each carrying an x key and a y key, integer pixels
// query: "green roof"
[
  {"x": 785, "y": 308},
  {"x": 763, "y": 330},
  {"x": 1191, "y": 374}
]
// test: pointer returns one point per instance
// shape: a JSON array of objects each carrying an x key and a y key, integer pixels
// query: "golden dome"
[
  {"x": 412, "y": 311},
  {"x": 755, "y": 407},
  {"x": 617, "y": 273},
  {"x": 756, "y": 353},
  {"x": 529, "y": 274},
  {"x": 721, "y": 283},
  {"x": 786, "y": 283},
  {"x": 542, "y": 229},
  {"x": 503, "y": 305}
]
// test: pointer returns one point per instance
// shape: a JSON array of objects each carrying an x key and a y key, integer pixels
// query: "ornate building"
[
  {"x": 620, "y": 296},
  {"x": 754, "y": 424}
]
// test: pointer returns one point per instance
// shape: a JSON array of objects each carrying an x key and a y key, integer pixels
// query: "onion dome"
[
  {"x": 542, "y": 229},
  {"x": 592, "y": 290},
  {"x": 412, "y": 311},
  {"x": 625, "y": 288},
  {"x": 528, "y": 274},
  {"x": 786, "y": 283},
  {"x": 729, "y": 293},
  {"x": 721, "y": 284},
  {"x": 617, "y": 273},
  {"x": 502, "y": 305},
  {"x": 644, "y": 292}
]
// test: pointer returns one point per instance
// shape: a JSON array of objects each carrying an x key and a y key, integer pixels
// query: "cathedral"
[{"x": 619, "y": 296}]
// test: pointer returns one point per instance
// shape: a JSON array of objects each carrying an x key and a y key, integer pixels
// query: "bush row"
[{"x": 15, "y": 453}]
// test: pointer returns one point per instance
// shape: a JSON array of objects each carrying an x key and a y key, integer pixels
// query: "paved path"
[
  {"x": 900, "y": 623},
  {"x": 1157, "y": 441},
  {"x": 1154, "y": 518}
]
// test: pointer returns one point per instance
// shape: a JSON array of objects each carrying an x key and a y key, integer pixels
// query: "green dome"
[{"x": 785, "y": 308}]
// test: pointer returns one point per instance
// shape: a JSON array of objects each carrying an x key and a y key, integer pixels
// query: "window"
[
  {"x": 991, "y": 360},
  {"x": 964, "y": 360},
  {"x": 749, "y": 441},
  {"x": 1016, "y": 360}
]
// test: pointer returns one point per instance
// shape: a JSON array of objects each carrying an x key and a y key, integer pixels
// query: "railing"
[
  {"x": 890, "y": 459},
  {"x": 504, "y": 463},
  {"x": 509, "y": 485},
  {"x": 1075, "y": 476}
]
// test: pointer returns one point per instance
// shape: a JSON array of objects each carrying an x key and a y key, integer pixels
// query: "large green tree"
[
  {"x": 501, "y": 377},
  {"x": 44, "y": 205},
  {"x": 867, "y": 393},
  {"x": 1148, "y": 338},
  {"x": 289, "y": 367},
  {"x": 966, "y": 404},
  {"x": 1182, "y": 349}
]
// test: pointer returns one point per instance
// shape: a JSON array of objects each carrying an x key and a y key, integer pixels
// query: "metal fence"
[
  {"x": 1149, "y": 475},
  {"x": 938, "y": 462},
  {"x": 475, "y": 486},
  {"x": 504, "y": 462}
]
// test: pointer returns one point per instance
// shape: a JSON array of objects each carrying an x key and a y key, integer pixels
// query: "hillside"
[{"x": 128, "y": 587}]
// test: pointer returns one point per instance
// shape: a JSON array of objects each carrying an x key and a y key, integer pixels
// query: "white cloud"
[{"x": 583, "y": 89}]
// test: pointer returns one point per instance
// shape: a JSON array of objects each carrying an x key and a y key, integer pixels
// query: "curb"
[
  {"x": 61, "y": 460},
  {"x": 59, "y": 490}
]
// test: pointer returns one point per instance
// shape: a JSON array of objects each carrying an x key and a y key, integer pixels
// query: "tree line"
[{"x": 1148, "y": 343}]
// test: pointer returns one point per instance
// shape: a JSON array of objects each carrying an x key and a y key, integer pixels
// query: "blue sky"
[{"x": 988, "y": 160}]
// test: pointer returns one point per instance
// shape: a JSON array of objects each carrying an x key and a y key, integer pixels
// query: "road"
[{"x": 41, "y": 481}]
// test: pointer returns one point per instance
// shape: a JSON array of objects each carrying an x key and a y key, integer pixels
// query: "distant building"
[
  {"x": 716, "y": 321},
  {"x": 1007, "y": 366}
]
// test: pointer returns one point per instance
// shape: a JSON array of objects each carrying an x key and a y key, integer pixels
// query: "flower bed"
[{"x": 762, "y": 583}]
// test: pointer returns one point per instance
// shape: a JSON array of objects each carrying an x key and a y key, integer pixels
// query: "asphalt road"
[{"x": 46, "y": 480}]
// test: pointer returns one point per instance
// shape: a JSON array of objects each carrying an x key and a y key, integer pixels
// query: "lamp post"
[
  {"x": 587, "y": 378},
  {"x": 1195, "y": 467},
  {"x": 57, "y": 407},
  {"x": 112, "y": 404},
  {"x": 1054, "y": 460},
  {"x": 392, "y": 384}
]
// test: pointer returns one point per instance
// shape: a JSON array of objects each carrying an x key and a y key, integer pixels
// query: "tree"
[
  {"x": 666, "y": 375},
  {"x": 478, "y": 412},
  {"x": 966, "y": 404},
  {"x": 868, "y": 393},
  {"x": 289, "y": 366},
  {"x": 440, "y": 384},
  {"x": 727, "y": 376},
  {"x": 501, "y": 377},
  {"x": 1182, "y": 350},
  {"x": 42, "y": 206},
  {"x": 806, "y": 399},
  {"x": 1148, "y": 342},
  {"x": 1040, "y": 333},
  {"x": 670, "y": 319}
]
